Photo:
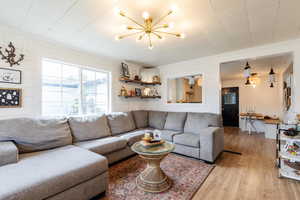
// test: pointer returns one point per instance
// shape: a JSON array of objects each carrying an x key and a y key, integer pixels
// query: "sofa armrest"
[
  {"x": 8, "y": 153},
  {"x": 211, "y": 143}
]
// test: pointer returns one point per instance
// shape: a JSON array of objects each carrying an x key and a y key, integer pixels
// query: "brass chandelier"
[{"x": 150, "y": 28}]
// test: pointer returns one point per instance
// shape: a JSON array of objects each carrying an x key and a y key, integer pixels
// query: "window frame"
[{"x": 81, "y": 68}]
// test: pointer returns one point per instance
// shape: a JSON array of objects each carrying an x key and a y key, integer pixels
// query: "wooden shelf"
[
  {"x": 142, "y": 97},
  {"x": 139, "y": 82}
]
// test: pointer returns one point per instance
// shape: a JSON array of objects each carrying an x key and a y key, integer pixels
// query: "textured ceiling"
[
  {"x": 262, "y": 66},
  {"x": 211, "y": 26}
]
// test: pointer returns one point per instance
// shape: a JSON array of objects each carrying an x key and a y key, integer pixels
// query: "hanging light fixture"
[
  {"x": 150, "y": 28},
  {"x": 272, "y": 78},
  {"x": 247, "y": 70}
]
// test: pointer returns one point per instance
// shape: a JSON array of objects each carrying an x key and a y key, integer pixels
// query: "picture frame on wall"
[
  {"x": 138, "y": 92},
  {"x": 10, "y": 97},
  {"x": 125, "y": 70},
  {"x": 11, "y": 76}
]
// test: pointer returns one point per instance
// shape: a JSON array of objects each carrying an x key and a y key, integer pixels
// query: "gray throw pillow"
[
  {"x": 89, "y": 127},
  {"x": 121, "y": 122},
  {"x": 141, "y": 118},
  {"x": 197, "y": 121},
  {"x": 175, "y": 121},
  {"x": 157, "y": 119},
  {"x": 35, "y": 134}
]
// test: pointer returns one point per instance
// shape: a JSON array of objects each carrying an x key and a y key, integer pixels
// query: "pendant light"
[
  {"x": 272, "y": 78},
  {"x": 248, "y": 81},
  {"x": 247, "y": 70}
]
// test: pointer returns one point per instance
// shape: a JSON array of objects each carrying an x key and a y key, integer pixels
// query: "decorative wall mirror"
[{"x": 187, "y": 89}]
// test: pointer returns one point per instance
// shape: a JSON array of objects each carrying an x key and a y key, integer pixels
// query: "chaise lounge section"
[{"x": 68, "y": 158}]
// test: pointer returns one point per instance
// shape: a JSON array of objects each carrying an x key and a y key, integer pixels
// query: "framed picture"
[
  {"x": 10, "y": 97},
  {"x": 138, "y": 92},
  {"x": 10, "y": 76},
  {"x": 125, "y": 70}
]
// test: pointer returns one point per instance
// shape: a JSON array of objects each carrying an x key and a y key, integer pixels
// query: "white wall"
[
  {"x": 262, "y": 98},
  {"x": 37, "y": 48},
  {"x": 210, "y": 68}
]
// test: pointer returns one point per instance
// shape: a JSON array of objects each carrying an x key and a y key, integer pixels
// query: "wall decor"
[
  {"x": 10, "y": 76},
  {"x": 138, "y": 92},
  {"x": 10, "y": 97},
  {"x": 10, "y": 56},
  {"x": 125, "y": 70}
]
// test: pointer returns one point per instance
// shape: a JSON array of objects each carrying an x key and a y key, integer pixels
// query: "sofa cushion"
[
  {"x": 121, "y": 123},
  {"x": 175, "y": 121},
  {"x": 141, "y": 118},
  {"x": 168, "y": 134},
  {"x": 89, "y": 127},
  {"x": 36, "y": 134},
  {"x": 40, "y": 175},
  {"x": 8, "y": 153},
  {"x": 187, "y": 139},
  {"x": 103, "y": 145},
  {"x": 197, "y": 121},
  {"x": 157, "y": 119},
  {"x": 133, "y": 136}
]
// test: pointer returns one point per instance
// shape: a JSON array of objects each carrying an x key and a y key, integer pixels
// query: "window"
[{"x": 72, "y": 90}]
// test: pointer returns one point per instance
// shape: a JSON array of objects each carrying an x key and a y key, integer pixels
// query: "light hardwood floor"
[{"x": 252, "y": 175}]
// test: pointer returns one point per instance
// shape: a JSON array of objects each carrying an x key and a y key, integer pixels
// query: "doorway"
[{"x": 230, "y": 106}]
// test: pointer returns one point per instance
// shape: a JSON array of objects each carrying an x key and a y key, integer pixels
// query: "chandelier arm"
[
  {"x": 130, "y": 34},
  {"x": 134, "y": 21},
  {"x": 159, "y": 36},
  {"x": 143, "y": 36},
  {"x": 175, "y": 34},
  {"x": 159, "y": 27},
  {"x": 149, "y": 38},
  {"x": 162, "y": 18}
]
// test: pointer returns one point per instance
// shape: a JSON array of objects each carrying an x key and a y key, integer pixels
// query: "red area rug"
[{"x": 187, "y": 175}]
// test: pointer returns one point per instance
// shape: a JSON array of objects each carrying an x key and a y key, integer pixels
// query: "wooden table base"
[{"x": 153, "y": 179}]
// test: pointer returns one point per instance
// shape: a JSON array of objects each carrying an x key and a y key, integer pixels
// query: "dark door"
[{"x": 230, "y": 106}]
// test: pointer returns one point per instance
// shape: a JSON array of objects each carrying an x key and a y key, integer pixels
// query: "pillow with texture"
[
  {"x": 175, "y": 121},
  {"x": 32, "y": 135},
  {"x": 121, "y": 122},
  {"x": 141, "y": 118},
  {"x": 157, "y": 119},
  {"x": 89, "y": 127}
]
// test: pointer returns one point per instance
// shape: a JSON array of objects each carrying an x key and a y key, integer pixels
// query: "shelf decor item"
[
  {"x": 123, "y": 91},
  {"x": 138, "y": 92},
  {"x": 125, "y": 70},
  {"x": 9, "y": 55},
  {"x": 10, "y": 97},
  {"x": 156, "y": 79},
  {"x": 10, "y": 76}
]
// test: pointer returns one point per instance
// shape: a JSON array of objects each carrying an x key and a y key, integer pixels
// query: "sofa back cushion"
[
  {"x": 89, "y": 127},
  {"x": 140, "y": 118},
  {"x": 157, "y": 119},
  {"x": 197, "y": 121},
  {"x": 175, "y": 121},
  {"x": 36, "y": 134},
  {"x": 121, "y": 122}
]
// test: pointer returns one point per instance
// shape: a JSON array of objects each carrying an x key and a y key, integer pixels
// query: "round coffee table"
[{"x": 153, "y": 179}]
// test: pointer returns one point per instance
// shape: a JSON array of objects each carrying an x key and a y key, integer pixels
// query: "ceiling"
[
  {"x": 211, "y": 26},
  {"x": 261, "y": 66}
]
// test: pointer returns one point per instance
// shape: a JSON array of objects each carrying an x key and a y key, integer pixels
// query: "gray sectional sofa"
[{"x": 68, "y": 158}]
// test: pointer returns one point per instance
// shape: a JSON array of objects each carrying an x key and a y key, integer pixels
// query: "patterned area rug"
[{"x": 187, "y": 175}]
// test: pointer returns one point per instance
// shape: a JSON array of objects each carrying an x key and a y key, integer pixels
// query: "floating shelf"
[
  {"x": 142, "y": 97},
  {"x": 139, "y": 82}
]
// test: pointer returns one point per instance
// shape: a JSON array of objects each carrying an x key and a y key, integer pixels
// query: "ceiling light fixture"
[
  {"x": 272, "y": 77},
  {"x": 149, "y": 28},
  {"x": 247, "y": 70}
]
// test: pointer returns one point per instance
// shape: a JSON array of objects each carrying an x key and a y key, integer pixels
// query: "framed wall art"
[
  {"x": 125, "y": 70},
  {"x": 10, "y": 97},
  {"x": 10, "y": 76}
]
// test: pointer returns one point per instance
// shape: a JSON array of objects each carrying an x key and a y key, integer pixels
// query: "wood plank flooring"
[{"x": 251, "y": 176}]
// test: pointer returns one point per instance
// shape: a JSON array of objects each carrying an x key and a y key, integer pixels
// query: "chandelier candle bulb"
[{"x": 146, "y": 15}]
